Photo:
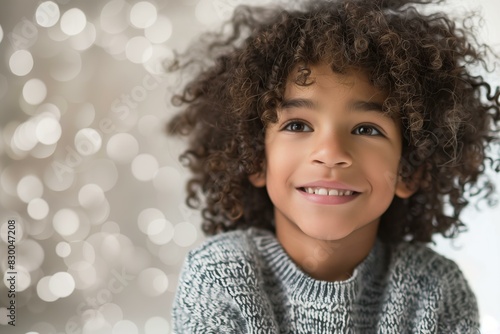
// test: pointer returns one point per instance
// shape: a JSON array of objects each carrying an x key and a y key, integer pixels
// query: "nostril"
[{"x": 333, "y": 164}]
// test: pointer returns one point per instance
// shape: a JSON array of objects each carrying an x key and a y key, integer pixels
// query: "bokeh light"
[
  {"x": 42, "y": 151},
  {"x": 81, "y": 256},
  {"x": 185, "y": 234},
  {"x": 56, "y": 34},
  {"x": 138, "y": 50},
  {"x": 96, "y": 323},
  {"x": 168, "y": 178},
  {"x": 85, "y": 39},
  {"x": 73, "y": 21},
  {"x": 206, "y": 13},
  {"x": 34, "y": 91},
  {"x": 59, "y": 175},
  {"x": 91, "y": 196},
  {"x": 21, "y": 62},
  {"x": 160, "y": 231},
  {"x": 48, "y": 109},
  {"x": 113, "y": 18},
  {"x": 149, "y": 125},
  {"x": 146, "y": 217},
  {"x": 143, "y": 14},
  {"x": 24, "y": 137},
  {"x": 43, "y": 290},
  {"x": 110, "y": 247},
  {"x": 156, "y": 325},
  {"x": 30, "y": 254},
  {"x": 29, "y": 187},
  {"x": 110, "y": 227},
  {"x": 85, "y": 115},
  {"x": 23, "y": 279},
  {"x": 38, "y": 208},
  {"x": 43, "y": 327},
  {"x": 115, "y": 45},
  {"x": 153, "y": 282},
  {"x": 122, "y": 147},
  {"x": 48, "y": 131},
  {"x": 47, "y": 14},
  {"x": 144, "y": 167},
  {"x": 88, "y": 141},
  {"x": 41, "y": 230},
  {"x": 62, "y": 284},
  {"x": 125, "y": 327},
  {"x": 66, "y": 222},
  {"x": 160, "y": 31},
  {"x": 85, "y": 275},
  {"x": 112, "y": 313},
  {"x": 63, "y": 249}
]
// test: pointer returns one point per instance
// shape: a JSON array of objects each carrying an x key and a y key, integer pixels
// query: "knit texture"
[{"x": 244, "y": 282}]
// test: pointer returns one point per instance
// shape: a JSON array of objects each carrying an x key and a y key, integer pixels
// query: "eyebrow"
[
  {"x": 310, "y": 104},
  {"x": 298, "y": 103},
  {"x": 367, "y": 106}
]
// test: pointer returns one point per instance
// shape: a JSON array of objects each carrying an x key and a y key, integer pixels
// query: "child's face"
[{"x": 331, "y": 137}]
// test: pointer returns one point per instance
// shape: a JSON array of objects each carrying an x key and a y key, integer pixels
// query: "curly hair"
[{"x": 449, "y": 115}]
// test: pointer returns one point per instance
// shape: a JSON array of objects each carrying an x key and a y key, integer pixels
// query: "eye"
[
  {"x": 297, "y": 126},
  {"x": 367, "y": 130}
]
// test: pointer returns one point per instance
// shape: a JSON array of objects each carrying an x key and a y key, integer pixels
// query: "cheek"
[
  {"x": 277, "y": 165},
  {"x": 281, "y": 164},
  {"x": 382, "y": 169}
]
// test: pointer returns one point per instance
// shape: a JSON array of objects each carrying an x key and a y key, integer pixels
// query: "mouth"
[{"x": 328, "y": 191}]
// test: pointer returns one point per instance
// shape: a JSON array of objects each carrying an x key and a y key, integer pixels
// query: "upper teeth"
[{"x": 329, "y": 192}]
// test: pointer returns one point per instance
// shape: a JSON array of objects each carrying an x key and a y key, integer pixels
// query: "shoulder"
[
  {"x": 231, "y": 253},
  {"x": 434, "y": 285},
  {"x": 428, "y": 274},
  {"x": 423, "y": 261},
  {"x": 419, "y": 270},
  {"x": 238, "y": 244},
  {"x": 218, "y": 279}
]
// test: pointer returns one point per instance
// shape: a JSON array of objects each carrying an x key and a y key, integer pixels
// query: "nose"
[{"x": 331, "y": 150}]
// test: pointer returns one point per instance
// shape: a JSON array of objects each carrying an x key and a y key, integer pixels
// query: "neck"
[{"x": 328, "y": 260}]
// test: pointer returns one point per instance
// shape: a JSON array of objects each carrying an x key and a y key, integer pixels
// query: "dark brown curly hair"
[{"x": 450, "y": 116}]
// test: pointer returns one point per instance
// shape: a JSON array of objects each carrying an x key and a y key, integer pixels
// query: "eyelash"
[{"x": 372, "y": 128}]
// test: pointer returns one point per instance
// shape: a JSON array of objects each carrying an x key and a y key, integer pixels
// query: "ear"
[
  {"x": 406, "y": 189},
  {"x": 258, "y": 179}
]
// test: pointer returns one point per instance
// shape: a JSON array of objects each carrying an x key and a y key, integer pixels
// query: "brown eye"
[
  {"x": 366, "y": 130},
  {"x": 297, "y": 127}
]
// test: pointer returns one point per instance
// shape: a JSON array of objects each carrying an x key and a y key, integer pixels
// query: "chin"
[{"x": 329, "y": 233}]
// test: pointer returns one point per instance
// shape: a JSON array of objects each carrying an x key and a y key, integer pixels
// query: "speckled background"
[{"x": 94, "y": 185}]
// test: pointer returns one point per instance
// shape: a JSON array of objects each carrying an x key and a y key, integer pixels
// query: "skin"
[{"x": 333, "y": 132}]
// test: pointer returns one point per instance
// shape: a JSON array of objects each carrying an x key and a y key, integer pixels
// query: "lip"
[{"x": 329, "y": 200}]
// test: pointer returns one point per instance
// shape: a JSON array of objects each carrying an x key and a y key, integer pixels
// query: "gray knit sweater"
[{"x": 244, "y": 282}]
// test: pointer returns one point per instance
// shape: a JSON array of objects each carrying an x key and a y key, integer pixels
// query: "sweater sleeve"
[
  {"x": 201, "y": 305},
  {"x": 459, "y": 310}
]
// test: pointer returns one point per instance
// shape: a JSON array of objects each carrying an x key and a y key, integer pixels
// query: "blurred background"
[{"x": 93, "y": 188}]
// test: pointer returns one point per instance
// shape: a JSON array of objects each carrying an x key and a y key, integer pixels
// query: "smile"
[
  {"x": 328, "y": 196},
  {"x": 328, "y": 192}
]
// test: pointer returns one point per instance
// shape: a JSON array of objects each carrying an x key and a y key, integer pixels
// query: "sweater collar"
[{"x": 302, "y": 287}]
